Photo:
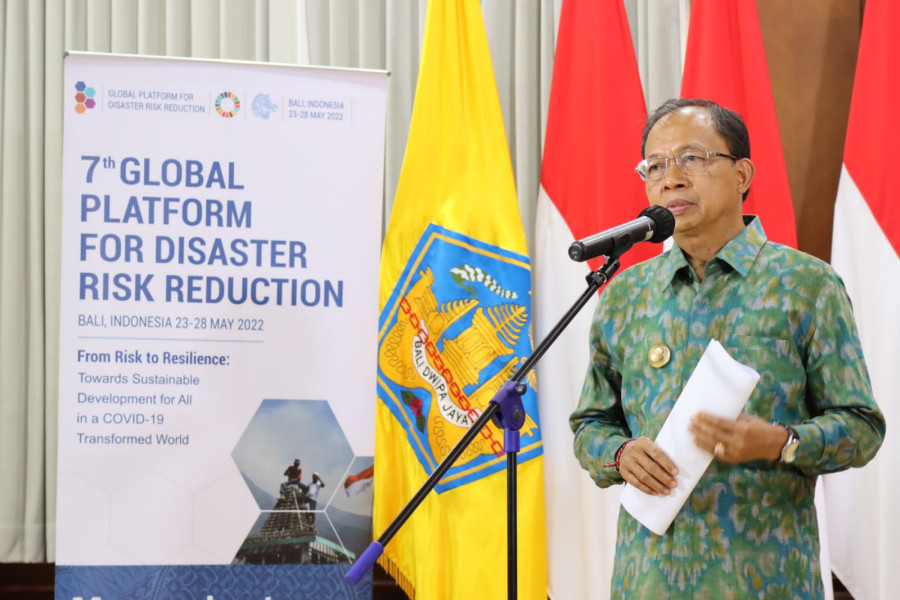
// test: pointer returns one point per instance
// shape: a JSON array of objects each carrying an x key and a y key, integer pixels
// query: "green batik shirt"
[{"x": 747, "y": 530}]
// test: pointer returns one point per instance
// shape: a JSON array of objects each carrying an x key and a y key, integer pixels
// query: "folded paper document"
[{"x": 720, "y": 386}]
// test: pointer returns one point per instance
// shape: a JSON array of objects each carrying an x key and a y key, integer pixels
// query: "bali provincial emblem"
[{"x": 454, "y": 330}]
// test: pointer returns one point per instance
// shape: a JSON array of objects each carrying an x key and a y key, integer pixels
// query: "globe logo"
[{"x": 262, "y": 106}]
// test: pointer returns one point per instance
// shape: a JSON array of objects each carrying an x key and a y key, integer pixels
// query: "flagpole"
[{"x": 505, "y": 410}]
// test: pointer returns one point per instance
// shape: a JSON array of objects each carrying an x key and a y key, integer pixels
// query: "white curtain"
[{"x": 377, "y": 34}]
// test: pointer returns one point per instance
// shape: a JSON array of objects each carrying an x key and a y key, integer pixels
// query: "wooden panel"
[
  {"x": 26, "y": 581},
  {"x": 811, "y": 48}
]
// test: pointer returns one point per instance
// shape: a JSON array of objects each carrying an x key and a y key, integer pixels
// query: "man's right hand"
[{"x": 645, "y": 466}]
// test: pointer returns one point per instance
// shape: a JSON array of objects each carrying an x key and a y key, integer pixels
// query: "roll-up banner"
[{"x": 219, "y": 312}]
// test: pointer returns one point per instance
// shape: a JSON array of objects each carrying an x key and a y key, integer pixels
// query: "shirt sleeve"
[
  {"x": 599, "y": 422},
  {"x": 846, "y": 427}
]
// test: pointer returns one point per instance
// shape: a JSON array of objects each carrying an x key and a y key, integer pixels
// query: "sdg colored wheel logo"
[{"x": 227, "y": 104}]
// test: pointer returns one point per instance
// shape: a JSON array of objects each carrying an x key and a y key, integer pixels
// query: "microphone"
[{"x": 654, "y": 224}]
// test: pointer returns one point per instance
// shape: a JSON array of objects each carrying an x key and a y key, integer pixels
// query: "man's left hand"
[{"x": 748, "y": 438}]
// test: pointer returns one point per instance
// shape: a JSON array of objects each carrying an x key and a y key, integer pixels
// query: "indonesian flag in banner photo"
[
  {"x": 588, "y": 184},
  {"x": 863, "y": 527},
  {"x": 357, "y": 484},
  {"x": 725, "y": 62}
]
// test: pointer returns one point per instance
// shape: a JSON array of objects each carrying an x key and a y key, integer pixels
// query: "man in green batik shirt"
[{"x": 748, "y": 530}]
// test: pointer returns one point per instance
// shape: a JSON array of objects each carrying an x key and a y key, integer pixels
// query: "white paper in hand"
[{"x": 719, "y": 385}]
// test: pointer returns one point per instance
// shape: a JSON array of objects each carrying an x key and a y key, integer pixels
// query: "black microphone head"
[{"x": 663, "y": 222}]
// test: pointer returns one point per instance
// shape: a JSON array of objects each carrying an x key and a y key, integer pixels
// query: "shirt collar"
[{"x": 740, "y": 253}]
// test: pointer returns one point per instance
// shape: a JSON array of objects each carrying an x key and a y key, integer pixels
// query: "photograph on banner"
[
  {"x": 218, "y": 322},
  {"x": 292, "y": 493}
]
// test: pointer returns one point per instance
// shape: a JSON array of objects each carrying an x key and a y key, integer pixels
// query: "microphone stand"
[{"x": 505, "y": 410}]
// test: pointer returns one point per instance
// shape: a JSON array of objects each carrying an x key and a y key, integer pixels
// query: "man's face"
[{"x": 707, "y": 204}]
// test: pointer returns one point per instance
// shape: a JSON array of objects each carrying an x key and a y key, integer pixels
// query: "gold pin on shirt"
[{"x": 659, "y": 356}]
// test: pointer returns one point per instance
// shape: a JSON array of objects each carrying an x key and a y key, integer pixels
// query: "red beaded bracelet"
[{"x": 619, "y": 455}]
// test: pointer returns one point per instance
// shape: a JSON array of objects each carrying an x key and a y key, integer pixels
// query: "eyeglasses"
[{"x": 689, "y": 161}]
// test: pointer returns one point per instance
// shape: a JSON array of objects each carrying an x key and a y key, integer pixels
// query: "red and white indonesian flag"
[
  {"x": 357, "y": 484},
  {"x": 588, "y": 184},
  {"x": 725, "y": 62},
  {"x": 863, "y": 527}
]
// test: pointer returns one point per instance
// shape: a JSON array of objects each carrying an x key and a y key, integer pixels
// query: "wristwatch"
[{"x": 789, "y": 451}]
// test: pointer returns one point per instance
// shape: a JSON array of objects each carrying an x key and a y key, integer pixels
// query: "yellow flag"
[{"x": 455, "y": 325}]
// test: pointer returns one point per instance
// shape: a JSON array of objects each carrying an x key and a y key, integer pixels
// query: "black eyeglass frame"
[{"x": 679, "y": 159}]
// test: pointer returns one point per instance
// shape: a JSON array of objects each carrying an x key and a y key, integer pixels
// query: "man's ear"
[{"x": 745, "y": 171}]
